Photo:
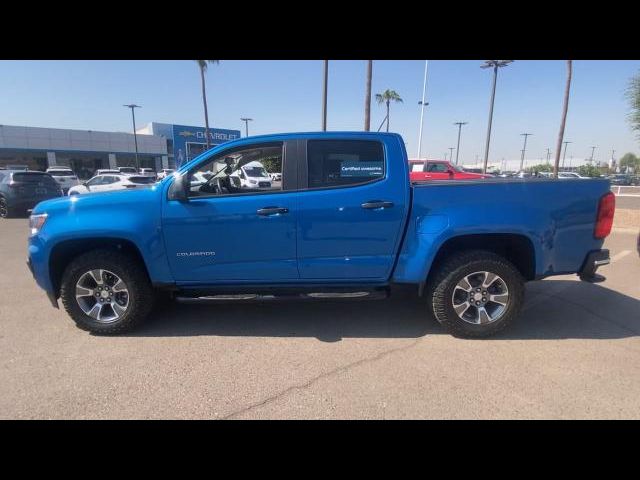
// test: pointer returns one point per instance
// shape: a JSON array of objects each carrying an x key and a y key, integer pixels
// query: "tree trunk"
[
  {"x": 388, "y": 115},
  {"x": 565, "y": 108},
  {"x": 206, "y": 114},
  {"x": 367, "y": 97}
]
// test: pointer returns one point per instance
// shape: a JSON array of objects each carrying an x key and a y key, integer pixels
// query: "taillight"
[{"x": 604, "y": 220}]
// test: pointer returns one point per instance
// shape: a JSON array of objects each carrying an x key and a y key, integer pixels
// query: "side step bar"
[{"x": 274, "y": 297}]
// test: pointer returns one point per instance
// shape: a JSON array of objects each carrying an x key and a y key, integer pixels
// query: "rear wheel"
[
  {"x": 106, "y": 292},
  {"x": 476, "y": 294}
]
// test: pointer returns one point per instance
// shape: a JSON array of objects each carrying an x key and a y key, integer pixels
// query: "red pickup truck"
[{"x": 421, "y": 170}]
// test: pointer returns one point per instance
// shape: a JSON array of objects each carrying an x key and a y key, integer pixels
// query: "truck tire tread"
[
  {"x": 449, "y": 273},
  {"x": 141, "y": 294}
]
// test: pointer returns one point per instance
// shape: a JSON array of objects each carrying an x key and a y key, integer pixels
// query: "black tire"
[
  {"x": 5, "y": 210},
  {"x": 440, "y": 290},
  {"x": 128, "y": 268}
]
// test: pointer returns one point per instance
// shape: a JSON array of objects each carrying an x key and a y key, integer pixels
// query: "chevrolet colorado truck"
[{"x": 344, "y": 221}]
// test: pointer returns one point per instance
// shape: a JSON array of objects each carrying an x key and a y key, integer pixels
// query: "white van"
[{"x": 252, "y": 175}]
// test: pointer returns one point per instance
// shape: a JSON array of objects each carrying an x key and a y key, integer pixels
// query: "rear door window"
[{"x": 338, "y": 163}]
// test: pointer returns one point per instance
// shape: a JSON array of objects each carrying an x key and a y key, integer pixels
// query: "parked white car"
[
  {"x": 127, "y": 170},
  {"x": 110, "y": 182},
  {"x": 64, "y": 176},
  {"x": 570, "y": 175},
  {"x": 149, "y": 172},
  {"x": 165, "y": 172},
  {"x": 250, "y": 176}
]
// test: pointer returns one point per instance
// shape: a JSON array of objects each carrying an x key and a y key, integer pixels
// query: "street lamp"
[
  {"x": 422, "y": 105},
  {"x": 565, "y": 152},
  {"x": 246, "y": 125},
  {"x": 451, "y": 155},
  {"x": 593, "y": 149},
  {"x": 460, "y": 124},
  {"x": 548, "y": 155},
  {"x": 133, "y": 106},
  {"x": 324, "y": 94},
  {"x": 495, "y": 64},
  {"x": 524, "y": 148}
]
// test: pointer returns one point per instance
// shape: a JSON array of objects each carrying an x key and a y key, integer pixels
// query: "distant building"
[
  {"x": 185, "y": 142},
  {"x": 159, "y": 146}
]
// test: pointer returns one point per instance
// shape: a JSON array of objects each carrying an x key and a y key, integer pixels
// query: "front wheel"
[
  {"x": 476, "y": 294},
  {"x": 106, "y": 292},
  {"x": 5, "y": 212}
]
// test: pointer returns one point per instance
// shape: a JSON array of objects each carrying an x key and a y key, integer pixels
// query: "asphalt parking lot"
[{"x": 574, "y": 353}]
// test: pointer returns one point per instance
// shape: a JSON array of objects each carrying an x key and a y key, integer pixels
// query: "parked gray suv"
[{"x": 21, "y": 190}]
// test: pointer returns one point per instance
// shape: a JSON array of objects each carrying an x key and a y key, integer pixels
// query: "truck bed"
[{"x": 556, "y": 215}]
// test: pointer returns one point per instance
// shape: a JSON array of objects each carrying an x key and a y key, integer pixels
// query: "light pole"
[
  {"x": 524, "y": 148},
  {"x": 246, "y": 125},
  {"x": 460, "y": 124},
  {"x": 495, "y": 64},
  {"x": 133, "y": 106},
  {"x": 593, "y": 149},
  {"x": 548, "y": 155},
  {"x": 565, "y": 152},
  {"x": 612, "y": 160},
  {"x": 422, "y": 105},
  {"x": 324, "y": 95},
  {"x": 451, "y": 149}
]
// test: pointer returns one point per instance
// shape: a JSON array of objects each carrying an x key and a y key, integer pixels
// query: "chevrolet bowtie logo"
[{"x": 185, "y": 133}]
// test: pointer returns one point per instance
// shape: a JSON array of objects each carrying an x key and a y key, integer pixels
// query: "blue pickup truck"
[{"x": 342, "y": 220}]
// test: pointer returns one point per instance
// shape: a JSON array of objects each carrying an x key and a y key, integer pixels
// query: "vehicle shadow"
[{"x": 554, "y": 309}]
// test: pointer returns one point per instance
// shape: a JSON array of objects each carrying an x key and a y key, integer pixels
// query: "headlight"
[{"x": 36, "y": 222}]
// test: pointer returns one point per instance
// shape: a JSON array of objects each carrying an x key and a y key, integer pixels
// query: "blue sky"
[{"x": 286, "y": 96}]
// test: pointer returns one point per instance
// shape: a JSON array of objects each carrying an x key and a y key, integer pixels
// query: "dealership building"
[{"x": 160, "y": 145}]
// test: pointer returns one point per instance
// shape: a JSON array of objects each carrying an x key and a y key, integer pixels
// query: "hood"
[{"x": 100, "y": 199}]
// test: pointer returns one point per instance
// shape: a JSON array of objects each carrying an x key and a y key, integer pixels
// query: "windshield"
[
  {"x": 32, "y": 177},
  {"x": 255, "y": 172},
  {"x": 61, "y": 173}
]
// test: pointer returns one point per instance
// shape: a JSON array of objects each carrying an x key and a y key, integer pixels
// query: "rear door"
[{"x": 353, "y": 202}]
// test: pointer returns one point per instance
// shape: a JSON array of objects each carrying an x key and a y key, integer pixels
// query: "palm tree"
[
  {"x": 367, "y": 97},
  {"x": 633, "y": 96},
  {"x": 204, "y": 64},
  {"x": 564, "y": 118},
  {"x": 387, "y": 97}
]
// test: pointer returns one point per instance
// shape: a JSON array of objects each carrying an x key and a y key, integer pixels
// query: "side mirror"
[
  {"x": 179, "y": 189},
  {"x": 451, "y": 171}
]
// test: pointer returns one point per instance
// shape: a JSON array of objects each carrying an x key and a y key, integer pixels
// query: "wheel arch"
[
  {"x": 64, "y": 252},
  {"x": 514, "y": 247}
]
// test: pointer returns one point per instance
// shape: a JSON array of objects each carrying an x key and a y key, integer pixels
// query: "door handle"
[
  {"x": 376, "y": 204},
  {"x": 268, "y": 211}
]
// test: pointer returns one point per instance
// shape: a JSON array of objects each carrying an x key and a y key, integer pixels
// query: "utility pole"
[
  {"x": 324, "y": 95},
  {"x": 460, "y": 124},
  {"x": 524, "y": 148},
  {"x": 367, "y": 97},
  {"x": 133, "y": 106},
  {"x": 246, "y": 125},
  {"x": 495, "y": 64},
  {"x": 565, "y": 152},
  {"x": 422, "y": 105}
]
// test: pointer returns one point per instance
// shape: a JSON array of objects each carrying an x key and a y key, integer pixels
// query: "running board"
[{"x": 250, "y": 298}]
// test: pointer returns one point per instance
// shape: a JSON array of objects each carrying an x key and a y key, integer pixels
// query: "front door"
[{"x": 227, "y": 233}]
